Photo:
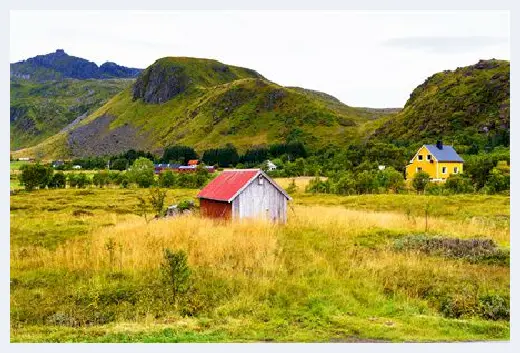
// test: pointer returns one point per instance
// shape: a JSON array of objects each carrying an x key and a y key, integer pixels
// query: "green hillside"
[
  {"x": 39, "y": 110},
  {"x": 204, "y": 103},
  {"x": 467, "y": 106}
]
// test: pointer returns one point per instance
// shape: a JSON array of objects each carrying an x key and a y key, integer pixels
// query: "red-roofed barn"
[{"x": 244, "y": 193}]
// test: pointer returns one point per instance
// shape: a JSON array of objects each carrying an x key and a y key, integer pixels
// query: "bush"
[
  {"x": 167, "y": 179},
  {"x": 35, "y": 175},
  {"x": 176, "y": 272},
  {"x": 119, "y": 164},
  {"x": 459, "y": 184},
  {"x": 100, "y": 179},
  {"x": 473, "y": 250},
  {"x": 58, "y": 181},
  {"x": 157, "y": 197},
  {"x": 494, "y": 307},
  {"x": 142, "y": 172},
  {"x": 420, "y": 181},
  {"x": 292, "y": 188}
]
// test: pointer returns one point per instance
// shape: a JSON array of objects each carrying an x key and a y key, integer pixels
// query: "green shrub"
[
  {"x": 142, "y": 172},
  {"x": 35, "y": 175},
  {"x": 58, "y": 181},
  {"x": 459, "y": 184},
  {"x": 420, "y": 181},
  {"x": 176, "y": 273},
  {"x": 494, "y": 307}
]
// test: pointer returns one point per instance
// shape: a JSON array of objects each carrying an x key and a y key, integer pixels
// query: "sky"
[{"x": 365, "y": 59}]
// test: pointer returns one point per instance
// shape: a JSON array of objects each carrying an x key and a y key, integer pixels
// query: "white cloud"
[{"x": 363, "y": 58}]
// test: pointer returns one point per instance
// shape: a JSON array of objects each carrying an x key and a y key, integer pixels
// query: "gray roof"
[{"x": 447, "y": 154}]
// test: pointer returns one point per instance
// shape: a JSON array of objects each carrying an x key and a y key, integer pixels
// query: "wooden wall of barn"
[
  {"x": 261, "y": 201},
  {"x": 215, "y": 209}
]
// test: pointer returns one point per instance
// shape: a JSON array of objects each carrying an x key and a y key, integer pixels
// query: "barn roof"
[
  {"x": 446, "y": 154},
  {"x": 230, "y": 183}
]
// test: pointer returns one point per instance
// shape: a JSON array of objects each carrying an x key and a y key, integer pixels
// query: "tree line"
[{"x": 141, "y": 174}]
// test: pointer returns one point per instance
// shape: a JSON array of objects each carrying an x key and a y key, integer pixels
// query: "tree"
[
  {"x": 390, "y": 179},
  {"x": 157, "y": 197},
  {"x": 119, "y": 164},
  {"x": 142, "y": 172},
  {"x": 35, "y": 175},
  {"x": 176, "y": 272},
  {"x": 100, "y": 179},
  {"x": 497, "y": 181},
  {"x": 459, "y": 184},
  {"x": 58, "y": 181},
  {"x": 181, "y": 154},
  {"x": 167, "y": 179},
  {"x": 420, "y": 180}
]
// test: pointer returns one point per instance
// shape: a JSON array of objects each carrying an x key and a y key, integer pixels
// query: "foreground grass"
[{"x": 330, "y": 274}]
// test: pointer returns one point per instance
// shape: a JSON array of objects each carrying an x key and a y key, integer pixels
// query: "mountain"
[
  {"x": 59, "y": 65},
  {"x": 41, "y": 109},
  {"x": 204, "y": 103},
  {"x": 467, "y": 106},
  {"x": 49, "y": 92}
]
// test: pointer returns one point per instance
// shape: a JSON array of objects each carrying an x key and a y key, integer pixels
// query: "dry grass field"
[{"x": 86, "y": 267}]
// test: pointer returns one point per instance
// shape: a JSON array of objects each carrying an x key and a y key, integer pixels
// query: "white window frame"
[
  {"x": 429, "y": 157},
  {"x": 444, "y": 170},
  {"x": 420, "y": 157},
  {"x": 418, "y": 169},
  {"x": 455, "y": 170}
]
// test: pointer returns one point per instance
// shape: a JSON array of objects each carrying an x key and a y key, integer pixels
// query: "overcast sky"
[{"x": 372, "y": 59}]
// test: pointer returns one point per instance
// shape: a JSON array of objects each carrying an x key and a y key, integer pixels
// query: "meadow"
[{"x": 86, "y": 267}]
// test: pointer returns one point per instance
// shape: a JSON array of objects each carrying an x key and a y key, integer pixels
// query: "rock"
[{"x": 159, "y": 83}]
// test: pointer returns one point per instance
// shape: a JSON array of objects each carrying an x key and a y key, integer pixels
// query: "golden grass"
[
  {"x": 244, "y": 247},
  {"x": 339, "y": 219}
]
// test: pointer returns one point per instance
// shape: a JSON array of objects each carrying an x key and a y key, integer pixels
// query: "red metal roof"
[{"x": 227, "y": 184}]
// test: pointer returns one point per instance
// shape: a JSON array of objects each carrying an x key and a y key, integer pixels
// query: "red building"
[{"x": 244, "y": 193}]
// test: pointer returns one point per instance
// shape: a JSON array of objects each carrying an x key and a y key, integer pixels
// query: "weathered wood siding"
[
  {"x": 215, "y": 209},
  {"x": 260, "y": 201}
]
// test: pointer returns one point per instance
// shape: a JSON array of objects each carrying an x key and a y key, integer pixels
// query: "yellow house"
[{"x": 438, "y": 161}]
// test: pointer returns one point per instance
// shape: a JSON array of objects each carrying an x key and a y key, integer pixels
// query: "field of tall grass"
[{"x": 86, "y": 267}]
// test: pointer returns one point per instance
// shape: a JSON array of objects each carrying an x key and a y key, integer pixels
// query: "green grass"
[{"x": 330, "y": 275}]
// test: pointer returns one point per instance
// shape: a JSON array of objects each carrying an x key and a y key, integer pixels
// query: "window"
[
  {"x": 420, "y": 157},
  {"x": 429, "y": 157},
  {"x": 456, "y": 170},
  {"x": 444, "y": 170},
  {"x": 419, "y": 169}
]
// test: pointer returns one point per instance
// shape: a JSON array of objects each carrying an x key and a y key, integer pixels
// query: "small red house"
[{"x": 244, "y": 193}]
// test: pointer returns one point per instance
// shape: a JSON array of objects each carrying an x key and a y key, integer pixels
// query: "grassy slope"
[
  {"x": 238, "y": 107},
  {"x": 43, "y": 109},
  {"x": 329, "y": 275},
  {"x": 456, "y": 104}
]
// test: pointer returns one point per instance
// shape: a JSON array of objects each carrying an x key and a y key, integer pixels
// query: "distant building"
[
  {"x": 193, "y": 162},
  {"x": 270, "y": 166},
  {"x": 438, "y": 160},
  {"x": 57, "y": 163},
  {"x": 159, "y": 168},
  {"x": 244, "y": 193}
]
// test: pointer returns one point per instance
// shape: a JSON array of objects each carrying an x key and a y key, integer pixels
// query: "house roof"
[
  {"x": 230, "y": 183},
  {"x": 446, "y": 154},
  {"x": 193, "y": 162}
]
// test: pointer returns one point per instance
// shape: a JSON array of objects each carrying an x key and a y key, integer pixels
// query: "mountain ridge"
[{"x": 60, "y": 65}]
